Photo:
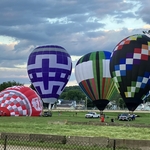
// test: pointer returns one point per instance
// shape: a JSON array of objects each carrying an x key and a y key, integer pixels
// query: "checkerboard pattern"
[
  {"x": 16, "y": 103},
  {"x": 129, "y": 65}
]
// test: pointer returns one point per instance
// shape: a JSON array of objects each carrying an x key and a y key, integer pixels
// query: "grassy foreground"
[{"x": 58, "y": 125}]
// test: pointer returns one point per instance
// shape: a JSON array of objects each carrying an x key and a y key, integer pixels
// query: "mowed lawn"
[{"x": 70, "y": 124}]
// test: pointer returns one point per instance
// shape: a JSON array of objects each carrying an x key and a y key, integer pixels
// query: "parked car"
[
  {"x": 125, "y": 117},
  {"x": 47, "y": 114},
  {"x": 92, "y": 115}
]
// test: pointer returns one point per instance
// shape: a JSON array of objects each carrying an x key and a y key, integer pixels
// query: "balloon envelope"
[
  {"x": 49, "y": 69},
  {"x": 93, "y": 76},
  {"x": 20, "y": 101},
  {"x": 146, "y": 97},
  {"x": 129, "y": 68}
]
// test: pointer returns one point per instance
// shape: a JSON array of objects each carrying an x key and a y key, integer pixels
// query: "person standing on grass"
[
  {"x": 133, "y": 117},
  {"x": 102, "y": 118},
  {"x": 112, "y": 119}
]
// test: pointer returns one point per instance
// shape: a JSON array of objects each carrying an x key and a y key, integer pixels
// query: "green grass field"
[{"x": 70, "y": 124}]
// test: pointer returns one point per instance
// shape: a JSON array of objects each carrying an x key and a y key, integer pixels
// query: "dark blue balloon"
[
  {"x": 49, "y": 68},
  {"x": 129, "y": 68}
]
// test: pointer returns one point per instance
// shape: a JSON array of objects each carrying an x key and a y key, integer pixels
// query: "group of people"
[{"x": 102, "y": 118}]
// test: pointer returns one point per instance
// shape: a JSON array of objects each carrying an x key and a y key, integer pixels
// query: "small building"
[{"x": 66, "y": 104}]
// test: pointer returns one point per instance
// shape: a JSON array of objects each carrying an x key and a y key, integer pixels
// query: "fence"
[{"x": 14, "y": 141}]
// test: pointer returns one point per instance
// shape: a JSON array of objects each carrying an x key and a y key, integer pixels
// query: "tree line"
[{"x": 72, "y": 93}]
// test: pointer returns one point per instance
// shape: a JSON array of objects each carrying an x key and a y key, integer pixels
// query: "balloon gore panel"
[{"x": 93, "y": 76}]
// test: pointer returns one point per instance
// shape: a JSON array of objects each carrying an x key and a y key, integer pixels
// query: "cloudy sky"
[{"x": 80, "y": 26}]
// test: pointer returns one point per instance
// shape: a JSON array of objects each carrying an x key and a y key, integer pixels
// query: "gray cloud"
[{"x": 78, "y": 26}]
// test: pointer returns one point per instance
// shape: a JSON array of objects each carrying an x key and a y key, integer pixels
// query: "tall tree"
[{"x": 72, "y": 93}]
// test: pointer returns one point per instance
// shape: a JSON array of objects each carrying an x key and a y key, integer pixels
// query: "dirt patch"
[{"x": 109, "y": 124}]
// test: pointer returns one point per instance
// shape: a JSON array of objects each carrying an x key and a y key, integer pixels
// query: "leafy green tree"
[
  {"x": 5, "y": 85},
  {"x": 121, "y": 103},
  {"x": 72, "y": 93},
  {"x": 147, "y": 99},
  {"x": 90, "y": 103},
  {"x": 63, "y": 96},
  {"x": 75, "y": 95},
  {"x": 32, "y": 87}
]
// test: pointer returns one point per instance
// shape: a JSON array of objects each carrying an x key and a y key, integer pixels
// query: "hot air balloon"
[
  {"x": 129, "y": 68},
  {"x": 145, "y": 97},
  {"x": 49, "y": 69},
  {"x": 93, "y": 76},
  {"x": 20, "y": 101}
]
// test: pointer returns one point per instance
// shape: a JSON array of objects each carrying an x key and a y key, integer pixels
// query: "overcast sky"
[{"x": 80, "y": 26}]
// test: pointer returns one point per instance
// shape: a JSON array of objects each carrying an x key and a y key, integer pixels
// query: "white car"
[
  {"x": 92, "y": 115},
  {"x": 124, "y": 117},
  {"x": 127, "y": 117}
]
